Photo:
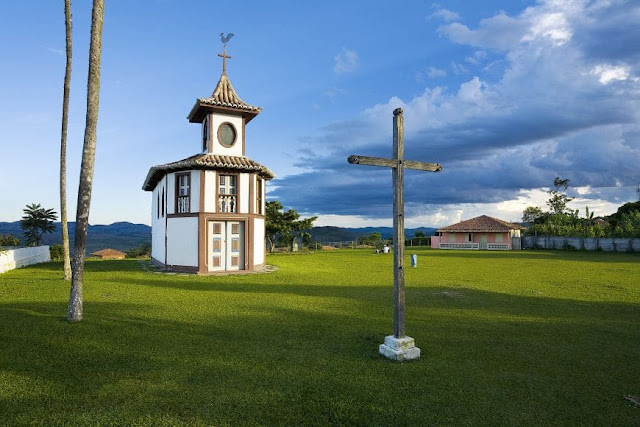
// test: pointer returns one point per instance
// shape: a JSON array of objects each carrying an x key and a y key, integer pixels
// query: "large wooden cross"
[{"x": 398, "y": 165}]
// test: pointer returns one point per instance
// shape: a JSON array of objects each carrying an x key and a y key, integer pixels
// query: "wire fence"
[{"x": 358, "y": 244}]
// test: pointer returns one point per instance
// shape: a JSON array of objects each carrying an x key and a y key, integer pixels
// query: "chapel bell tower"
[{"x": 208, "y": 210}]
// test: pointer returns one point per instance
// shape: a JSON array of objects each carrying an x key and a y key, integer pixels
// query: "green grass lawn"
[{"x": 509, "y": 338}]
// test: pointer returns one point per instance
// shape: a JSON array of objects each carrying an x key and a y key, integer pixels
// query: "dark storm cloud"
[{"x": 559, "y": 109}]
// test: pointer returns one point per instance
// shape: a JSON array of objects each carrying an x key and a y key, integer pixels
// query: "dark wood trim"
[
  {"x": 199, "y": 110},
  {"x": 202, "y": 193},
  {"x": 177, "y": 190},
  {"x": 166, "y": 217},
  {"x": 202, "y": 232},
  {"x": 216, "y": 185},
  {"x": 203, "y": 242},
  {"x": 259, "y": 189},
  {"x": 182, "y": 215},
  {"x": 228, "y": 216},
  {"x": 249, "y": 243}
]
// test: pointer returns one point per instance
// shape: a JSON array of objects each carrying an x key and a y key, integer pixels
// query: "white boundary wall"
[
  {"x": 16, "y": 258},
  {"x": 606, "y": 244}
]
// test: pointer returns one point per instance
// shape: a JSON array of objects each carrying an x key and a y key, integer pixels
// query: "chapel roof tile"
[
  {"x": 481, "y": 224},
  {"x": 225, "y": 95},
  {"x": 223, "y": 99},
  {"x": 206, "y": 161}
]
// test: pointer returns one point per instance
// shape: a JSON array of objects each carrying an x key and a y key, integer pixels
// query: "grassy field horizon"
[{"x": 529, "y": 337}]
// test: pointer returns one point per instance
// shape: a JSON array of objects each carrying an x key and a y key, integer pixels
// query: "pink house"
[{"x": 482, "y": 232}]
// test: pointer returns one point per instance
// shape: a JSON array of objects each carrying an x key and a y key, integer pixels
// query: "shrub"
[
  {"x": 56, "y": 252},
  {"x": 9, "y": 240}
]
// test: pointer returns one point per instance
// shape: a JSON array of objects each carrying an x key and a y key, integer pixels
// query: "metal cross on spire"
[
  {"x": 398, "y": 346},
  {"x": 225, "y": 39}
]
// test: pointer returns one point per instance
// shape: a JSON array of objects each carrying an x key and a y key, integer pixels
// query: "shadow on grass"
[
  {"x": 488, "y": 358},
  {"x": 538, "y": 254}
]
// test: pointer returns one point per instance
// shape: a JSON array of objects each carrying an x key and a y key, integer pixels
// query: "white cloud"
[
  {"x": 498, "y": 32},
  {"x": 478, "y": 57},
  {"x": 444, "y": 14},
  {"x": 551, "y": 26},
  {"x": 332, "y": 92},
  {"x": 458, "y": 68},
  {"x": 434, "y": 72},
  {"x": 608, "y": 73},
  {"x": 346, "y": 61}
]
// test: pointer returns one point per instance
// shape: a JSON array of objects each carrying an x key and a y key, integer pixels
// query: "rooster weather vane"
[
  {"x": 226, "y": 39},
  {"x": 224, "y": 55}
]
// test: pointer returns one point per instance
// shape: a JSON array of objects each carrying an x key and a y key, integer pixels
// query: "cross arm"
[{"x": 392, "y": 163}]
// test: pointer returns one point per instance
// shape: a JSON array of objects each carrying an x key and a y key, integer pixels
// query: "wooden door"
[
  {"x": 226, "y": 245},
  {"x": 235, "y": 245}
]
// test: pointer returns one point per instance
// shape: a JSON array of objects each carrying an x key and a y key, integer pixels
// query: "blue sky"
[{"x": 505, "y": 94}]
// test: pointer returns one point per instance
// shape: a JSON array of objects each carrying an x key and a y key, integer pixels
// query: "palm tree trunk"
[
  {"x": 74, "y": 312},
  {"x": 63, "y": 145}
]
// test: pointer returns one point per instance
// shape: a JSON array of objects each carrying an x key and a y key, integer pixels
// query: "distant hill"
[
  {"x": 339, "y": 234},
  {"x": 119, "y": 235},
  {"x": 125, "y": 235}
]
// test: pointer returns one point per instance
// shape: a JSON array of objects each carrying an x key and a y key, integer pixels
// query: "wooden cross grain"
[
  {"x": 224, "y": 57},
  {"x": 398, "y": 165}
]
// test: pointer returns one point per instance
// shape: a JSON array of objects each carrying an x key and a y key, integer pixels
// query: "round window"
[{"x": 227, "y": 134}]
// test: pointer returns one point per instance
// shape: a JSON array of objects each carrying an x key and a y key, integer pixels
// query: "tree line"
[{"x": 561, "y": 220}]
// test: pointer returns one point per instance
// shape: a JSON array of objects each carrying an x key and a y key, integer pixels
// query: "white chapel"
[{"x": 208, "y": 210}]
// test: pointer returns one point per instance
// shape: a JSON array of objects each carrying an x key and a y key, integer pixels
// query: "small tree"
[
  {"x": 275, "y": 223},
  {"x": 37, "y": 221},
  {"x": 531, "y": 214},
  {"x": 558, "y": 201},
  {"x": 300, "y": 229},
  {"x": 285, "y": 226},
  {"x": 374, "y": 239},
  {"x": 419, "y": 233}
]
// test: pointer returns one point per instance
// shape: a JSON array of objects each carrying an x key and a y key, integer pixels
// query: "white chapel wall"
[
  {"x": 243, "y": 197},
  {"x": 216, "y": 121},
  {"x": 210, "y": 191},
  {"x": 182, "y": 241}
]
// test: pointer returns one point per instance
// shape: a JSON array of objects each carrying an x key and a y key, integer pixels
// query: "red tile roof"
[
  {"x": 109, "y": 253},
  {"x": 206, "y": 161},
  {"x": 481, "y": 224}
]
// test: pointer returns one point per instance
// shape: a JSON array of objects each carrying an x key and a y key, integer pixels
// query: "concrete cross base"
[{"x": 399, "y": 349}]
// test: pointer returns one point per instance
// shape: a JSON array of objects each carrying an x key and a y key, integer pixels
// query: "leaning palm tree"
[
  {"x": 63, "y": 145},
  {"x": 74, "y": 312}
]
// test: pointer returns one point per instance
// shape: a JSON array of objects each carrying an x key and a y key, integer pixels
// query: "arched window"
[{"x": 205, "y": 133}]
